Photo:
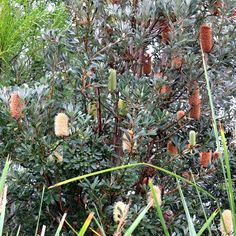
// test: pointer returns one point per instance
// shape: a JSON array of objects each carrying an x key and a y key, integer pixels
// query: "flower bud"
[
  {"x": 192, "y": 138},
  {"x": 122, "y": 109},
  {"x": 112, "y": 82}
]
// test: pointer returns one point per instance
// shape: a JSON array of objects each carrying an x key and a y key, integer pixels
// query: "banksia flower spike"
[
  {"x": 177, "y": 62},
  {"x": 218, "y": 7},
  {"x": 16, "y": 106},
  {"x": 165, "y": 31},
  {"x": 150, "y": 198},
  {"x": 195, "y": 112},
  {"x": 112, "y": 81},
  {"x": 205, "y": 159},
  {"x": 192, "y": 138},
  {"x": 194, "y": 101},
  {"x": 127, "y": 141},
  {"x": 172, "y": 149},
  {"x": 119, "y": 211},
  {"x": 206, "y": 38},
  {"x": 180, "y": 114},
  {"x": 122, "y": 108},
  {"x": 147, "y": 64},
  {"x": 226, "y": 223},
  {"x": 61, "y": 125}
]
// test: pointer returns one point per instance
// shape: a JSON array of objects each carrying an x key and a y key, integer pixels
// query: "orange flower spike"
[
  {"x": 180, "y": 114},
  {"x": 206, "y": 38},
  {"x": 205, "y": 159},
  {"x": 172, "y": 149},
  {"x": 16, "y": 106}
]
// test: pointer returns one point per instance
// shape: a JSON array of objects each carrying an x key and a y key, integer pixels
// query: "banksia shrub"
[
  {"x": 171, "y": 148},
  {"x": 112, "y": 81},
  {"x": 206, "y": 38},
  {"x": 147, "y": 64},
  {"x": 16, "y": 106},
  {"x": 150, "y": 198},
  {"x": 119, "y": 211},
  {"x": 127, "y": 141},
  {"x": 205, "y": 159},
  {"x": 226, "y": 223},
  {"x": 61, "y": 125}
]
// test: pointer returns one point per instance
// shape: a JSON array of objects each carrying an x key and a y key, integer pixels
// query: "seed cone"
[
  {"x": 205, "y": 159},
  {"x": 61, "y": 125},
  {"x": 150, "y": 199},
  {"x": 206, "y": 38},
  {"x": 226, "y": 228},
  {"x": 147, "y": 64},
  {"x": 172, "y": 149},
  {"x": 127, "y": 141}
]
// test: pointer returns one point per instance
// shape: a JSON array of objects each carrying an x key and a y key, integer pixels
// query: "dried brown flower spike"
[
  {"x": 147, "y": 64},
  {"x": 194, "y": 101},
  {"x": 206, "y": 38}
]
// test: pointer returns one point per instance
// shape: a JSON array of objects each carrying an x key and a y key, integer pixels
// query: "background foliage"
[{"x": 58, "y": 54}]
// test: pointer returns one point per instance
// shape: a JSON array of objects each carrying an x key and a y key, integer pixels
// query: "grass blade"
[
  {"x": 60, "y": 225},
  {"x": 4, "y": 175},
  {"x": 229, "y": 182},
  {"x": 43, "y": 230},
  {"x": 159, "y": 211},
  {"x": 203, "y": 209},
  {"x": 18, "y": 231},
  {"x": 40, "y": 209},
  {"x": 86, "y": 224},
  {"x": 191, "y": 228},
  {"x": 131, "y": 166},
  {"x": 134, "y": 225},
  {"x": 4, "y": 202},
  {"x": 208, "y": 222}
]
